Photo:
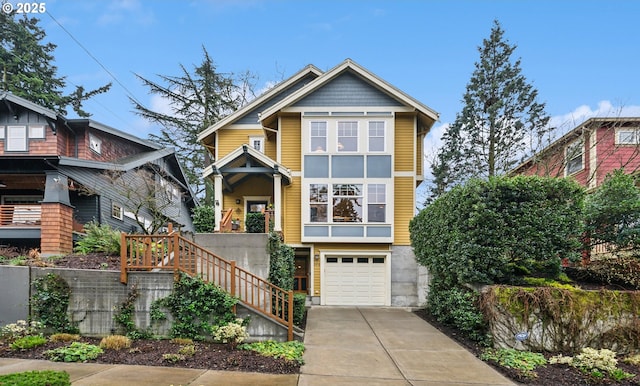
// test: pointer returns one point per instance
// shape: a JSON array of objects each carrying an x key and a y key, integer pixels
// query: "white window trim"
[
  {"x": 326, "y": 136},
  {"x": 117, "y": 211},
  {"x": 11, "y": 141},
  {"x": 357, "y": 136},
  {"x": 384, "y": 136},
  {"x": 636, "y": 132},
  {"x": 363, "y": 133},
  {"x": 95, "y": 144},
  {"x": 42, "y": 132},
  {"x": 260, "y": 139},
  {"x": 2, "y": 130},
  {"x": 388, "y": 184},
  {"x": 567, "y": 159}
]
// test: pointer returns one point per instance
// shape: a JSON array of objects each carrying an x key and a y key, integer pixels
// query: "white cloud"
[
  {"x": 566, "y": 122},
  {"x": 118, "y": 10}
]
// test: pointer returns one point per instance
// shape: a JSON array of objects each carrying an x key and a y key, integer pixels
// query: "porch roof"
[{"x": 243, "y": 162}]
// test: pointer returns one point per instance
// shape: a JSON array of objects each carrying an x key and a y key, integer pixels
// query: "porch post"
[
  {"x": 277, "y": 202},
  {"x": 217, "y": 200}
]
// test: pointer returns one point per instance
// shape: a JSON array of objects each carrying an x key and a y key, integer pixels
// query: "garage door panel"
[{"x": 355, "y": 281}]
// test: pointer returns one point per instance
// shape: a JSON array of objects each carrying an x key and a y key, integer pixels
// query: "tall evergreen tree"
[
  {"x": 197, "y": 100},
  {"x": 26, "y": 63},
  {"x": 500, "y": 124}
]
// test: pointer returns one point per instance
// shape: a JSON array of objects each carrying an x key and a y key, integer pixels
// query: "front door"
[{"x": 301, "y": 273}]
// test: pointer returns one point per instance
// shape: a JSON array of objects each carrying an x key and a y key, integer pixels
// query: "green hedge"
[{"x": 499, "y": 230}]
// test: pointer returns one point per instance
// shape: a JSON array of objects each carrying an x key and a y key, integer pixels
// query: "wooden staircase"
[{"x": 173, "y": 252}]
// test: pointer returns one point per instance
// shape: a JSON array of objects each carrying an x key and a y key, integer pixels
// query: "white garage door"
[{"x": 355, "y": 281}]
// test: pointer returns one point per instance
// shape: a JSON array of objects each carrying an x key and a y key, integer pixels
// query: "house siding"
[
  {"x": 291, "y": 141},
  {"x": 404, "y": 209},
  {"x": 611, "y": 156},
  {"x": 405, "y": 137},
  {"x": 348, "y": 90},
  {"x": 232, "y": 138},
  {"x": 292, "y": 212},
  {"x": 251, "y": 117}
]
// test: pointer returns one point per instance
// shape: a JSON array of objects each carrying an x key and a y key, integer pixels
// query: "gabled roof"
[
  {"x": 589, "y": 124},
  {"x": 81, "y": 122},
  {"x": 245, "y": 160},
  {"x": 269, "y": 94},
  {"x": 350, "y": 65},
  {"x": 7, "y": 96},
  {"x": 115, "y": 132},
  {"x": 132, "y": 162}
]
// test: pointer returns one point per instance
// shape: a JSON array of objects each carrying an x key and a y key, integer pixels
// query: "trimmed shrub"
[
  {"x": 255, "y": 222},
  {"x": 204, "y": 218},
  {"x": 299, "y": 308},
  {"x": 499, "y": 230}
]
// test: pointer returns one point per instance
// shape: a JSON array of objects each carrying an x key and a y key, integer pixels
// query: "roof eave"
[{"x": 260, "y": 99}]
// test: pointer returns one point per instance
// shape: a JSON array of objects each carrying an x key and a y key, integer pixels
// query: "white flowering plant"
[
  {"x": 596, "y": 362},
  {"x": 19, "y": 329},
  {"x": 233, "y": 332}
]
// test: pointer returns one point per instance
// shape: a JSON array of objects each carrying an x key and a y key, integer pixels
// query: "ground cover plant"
[{"x": 36, "y": 378}]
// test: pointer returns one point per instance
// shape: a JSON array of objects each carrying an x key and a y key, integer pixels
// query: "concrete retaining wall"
[
  {"x": 409, "y": 281},
  {"x": 96, "y": 296},
  {"x": 249, "y": 250}
]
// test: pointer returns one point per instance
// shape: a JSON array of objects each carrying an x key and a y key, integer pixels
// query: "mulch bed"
[
  {"x": 149, "y": 352},
  {"x": 550, "y": 375}
]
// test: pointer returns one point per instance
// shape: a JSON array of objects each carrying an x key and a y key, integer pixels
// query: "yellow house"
[{"x": 338, "y": 156}]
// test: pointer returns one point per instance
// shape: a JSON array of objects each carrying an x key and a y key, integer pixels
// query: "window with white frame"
[
  {"x": 628, "y": 136},
  {"x": 377, "y": 205},
  {"x": 95, "y": 144},
  {"x": 318, "y": 136},
  {"x": 376, "y": 136},
  {"x": 574, "y": 156},
  {"x": 347, "y": 203},
  {"x": 1, "y": 132},
  {"x": 16, "y": 138},
  {"x": 318, "y": 202},
  {"x": 257, "y": 143},
  {"x": 348, "y": 136},
  {"x": 36, "y": 132},
  {"x": 117, "y": 211}
]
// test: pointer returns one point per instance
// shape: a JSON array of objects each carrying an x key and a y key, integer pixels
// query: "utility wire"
[{"x": 129, "y": 93}]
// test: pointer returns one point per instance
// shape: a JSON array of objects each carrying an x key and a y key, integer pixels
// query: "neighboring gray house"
[{"x": 57, "y": 174}]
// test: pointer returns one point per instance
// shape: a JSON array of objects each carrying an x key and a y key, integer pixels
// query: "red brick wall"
[{"x": 57, "y": 229}]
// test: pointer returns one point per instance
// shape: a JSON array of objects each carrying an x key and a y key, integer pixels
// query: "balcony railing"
[{"x": 20, "y": 215}]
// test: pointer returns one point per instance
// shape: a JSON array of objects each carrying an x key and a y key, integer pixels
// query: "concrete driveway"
[{"x": 385, "y": 346}]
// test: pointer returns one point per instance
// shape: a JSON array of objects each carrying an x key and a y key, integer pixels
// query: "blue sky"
[{"x": 582, "y": 56}]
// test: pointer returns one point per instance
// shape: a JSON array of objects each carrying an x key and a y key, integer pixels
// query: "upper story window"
[
  {"x": 257, "y": 143},
  {"x": 628, "y": 136},
  {"x": 16, "y": 138},
  {"x": 348, "y": 136},
  {"x": 348, "y": 203},
  {"x": 574, "y": 156},
  {"x": 95, "y": 144},
  {"x": 36, "y": 132},
  {"x": 376, "y": 136},
  {"x": 318, "y": 136}
]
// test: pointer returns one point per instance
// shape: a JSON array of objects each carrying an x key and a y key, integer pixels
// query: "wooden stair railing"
[
  {"x": 227, "y": 221},
  {"x": 174, "y": 252}
]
